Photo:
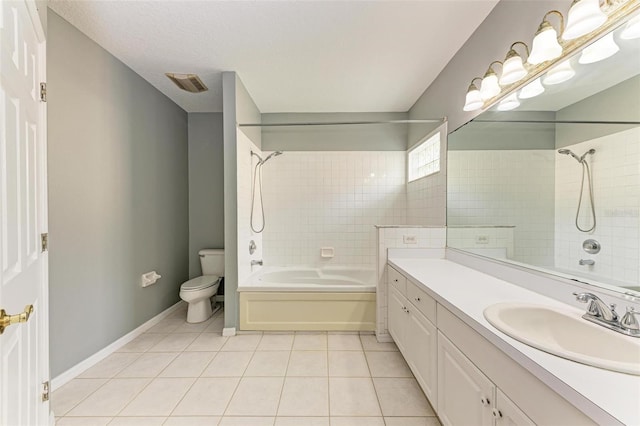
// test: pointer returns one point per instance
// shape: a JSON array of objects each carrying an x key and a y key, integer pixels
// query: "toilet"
[{"x": 197, "y": 292}]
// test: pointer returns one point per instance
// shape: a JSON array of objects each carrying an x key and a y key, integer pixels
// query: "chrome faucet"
[
  {"x": 256, "y": 262},
  {"x": 599, "y": 313}
]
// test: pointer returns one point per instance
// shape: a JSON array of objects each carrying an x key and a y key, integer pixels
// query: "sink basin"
[{"x": 567, "y": 335}]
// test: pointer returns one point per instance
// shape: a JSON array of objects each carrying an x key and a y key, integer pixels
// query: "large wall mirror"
[{"x": 555, "y": 183}]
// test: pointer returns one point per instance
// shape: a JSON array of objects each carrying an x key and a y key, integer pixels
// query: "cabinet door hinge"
[
  {"x": 44, "y": 240},
  {"x": 43, "y": 92},
  {"x": 45, "y": 391}
]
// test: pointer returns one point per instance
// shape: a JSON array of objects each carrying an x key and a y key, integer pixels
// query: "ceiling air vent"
[{"x": 189, "y": 82}]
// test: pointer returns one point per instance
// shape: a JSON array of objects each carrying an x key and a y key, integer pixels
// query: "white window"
[{"x": 424, "y": 159}]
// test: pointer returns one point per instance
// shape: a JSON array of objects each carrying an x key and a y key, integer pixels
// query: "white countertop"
[{"x": 601, "y": 394}]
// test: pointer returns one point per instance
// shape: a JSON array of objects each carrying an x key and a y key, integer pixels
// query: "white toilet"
[{"x": 198, "y": 291}]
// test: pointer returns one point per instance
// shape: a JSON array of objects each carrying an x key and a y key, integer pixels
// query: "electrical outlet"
[
  {"x": 482, "y": 239},
  {"x": 410, "y": 239}
]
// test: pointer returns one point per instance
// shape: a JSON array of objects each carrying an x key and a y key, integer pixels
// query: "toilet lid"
[{"x": 200, "y": 282}]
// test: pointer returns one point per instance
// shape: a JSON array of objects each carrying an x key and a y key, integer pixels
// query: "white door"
[
  {"x": 24, "y": 357},
  {"x": 422, "y": 345}
]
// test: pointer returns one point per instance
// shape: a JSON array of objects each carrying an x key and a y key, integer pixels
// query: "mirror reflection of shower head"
[
  {"x": 273, "y": 154},
  {"x": 590, "y": 152},
  {"x": 569, "y": 152}
]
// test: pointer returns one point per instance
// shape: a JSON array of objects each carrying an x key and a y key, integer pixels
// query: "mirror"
[{"x": 555, "y": 183}]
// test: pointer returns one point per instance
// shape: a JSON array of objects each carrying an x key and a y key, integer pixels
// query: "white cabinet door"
[
  {"x": 465, "y": 395},
  {"x": 397, "y": 312},
  {"x": 422, "y": 347},
  {"x": 508, "y": 414}
]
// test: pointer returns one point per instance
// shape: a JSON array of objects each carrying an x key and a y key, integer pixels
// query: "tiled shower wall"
[
  {"x": 506, "y": 188},
  {"x": 331, "y": 199},
  {"x": 616, "y": 178}
]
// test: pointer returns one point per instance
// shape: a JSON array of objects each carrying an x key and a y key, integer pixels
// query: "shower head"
[
  {"x": 569, "y": 152},
  {"x": 273, "y": 154},
  {"x": 591, "y": 152}
]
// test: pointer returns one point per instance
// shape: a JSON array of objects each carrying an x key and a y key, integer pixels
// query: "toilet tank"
[{"x": 212, "y": 261}]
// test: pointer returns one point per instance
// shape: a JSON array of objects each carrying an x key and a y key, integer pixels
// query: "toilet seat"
[{"x": 200, "y": 283}]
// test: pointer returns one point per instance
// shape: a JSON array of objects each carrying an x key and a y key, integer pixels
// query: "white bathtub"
[
  {"x": 307, "y": 279},
  {"x": 305, "y": 298}
]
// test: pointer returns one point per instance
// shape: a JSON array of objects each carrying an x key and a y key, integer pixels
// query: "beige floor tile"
[
  {"x": 143, "y": 343},
  {"x": 228, "y": 364},
  {"x": 357, "y": 421},
  {"x": 310, "y": 342},
  {"x": 159, "y": 398},
  {"x": 192, "y": 421},
  {"x": 83, "y": 421},
  {"x": 167, "y": 325},
  {"x": 175, "y": 342},
  {"x": 388, "y": 364},
  {"x": 412, "y": 421},
  {"x": 276, "y": 342},
  {"x": 70, "y": 394},
  {"x": 256, "y": 396},
  {"x": 110, "y": 399},
  {"x": 188, "y": 364},
  {"x": 207, "y": 342},
  {"x": 268, "y": 363},
  {"x": 137, "y": 421},
  {"x": 207, "y": 397},
  {"x": 216, "y": 325},
  {"x": 308, "y": 364},
  {"x": 242, "y": 342},
  {"x": 302, "y": 421},
  {"x": 402, "y": 397},
  {"x": 247, "y": 421},
  {"x": 353, "y": 397},
  {"x": 149, "y": 364},
  {"x": 370, "y": 343},
  {"x": 348, "y": 364},
  {"x": 344, "y": 342},
  {"x": 110, "y": 366},
  {"x": 304, "y": 396}
]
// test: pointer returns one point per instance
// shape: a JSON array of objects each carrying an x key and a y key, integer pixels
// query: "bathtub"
[{"x": 305, "y": 298}]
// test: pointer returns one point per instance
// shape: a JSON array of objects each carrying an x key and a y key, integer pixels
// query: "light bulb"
[
  {"x": 473, "y": 101},
  {"x": 513, "y": 70},
  {"x": 632, "y": 29},
  {"x": 489, "y": 86},
  {"x": 509, "y": 103},
  {"x": 531, "y": 90},
  {"x": 584, "y": 16},
  {"x": 601, "y": 49},
  {"x": 545, "y": 45},
  {"x": 559, "y": 74}
]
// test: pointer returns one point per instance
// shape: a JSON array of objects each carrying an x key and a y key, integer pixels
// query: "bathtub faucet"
[{"x": 256, "y": 262}]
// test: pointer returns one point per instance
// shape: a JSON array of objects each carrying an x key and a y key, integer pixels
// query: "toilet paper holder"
[{"x": 150, "y": 278}]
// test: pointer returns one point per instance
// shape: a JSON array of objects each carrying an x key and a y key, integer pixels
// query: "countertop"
[{"x": 603, "y": 395}]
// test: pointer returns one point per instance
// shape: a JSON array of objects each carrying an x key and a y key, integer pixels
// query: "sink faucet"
[
  {"x": 256, "y": 262},
  {"x": 599, "y": 313}
]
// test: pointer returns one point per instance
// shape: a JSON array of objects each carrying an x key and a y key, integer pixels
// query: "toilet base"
[{"x": 199, "y": 311}]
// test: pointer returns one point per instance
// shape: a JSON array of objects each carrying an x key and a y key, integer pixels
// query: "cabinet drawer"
[
  {"x": 397, "y": 280},
  {"x": 421, "y": 300}
]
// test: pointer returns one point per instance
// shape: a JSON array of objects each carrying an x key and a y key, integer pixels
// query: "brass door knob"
[{"x": 7, "y": 320}]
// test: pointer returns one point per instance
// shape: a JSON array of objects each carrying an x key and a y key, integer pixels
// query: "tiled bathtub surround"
[
  {"x": 506, "y": 187},
  {"x": 616, "y": 181},
  {"x": 331, "y": 199}
]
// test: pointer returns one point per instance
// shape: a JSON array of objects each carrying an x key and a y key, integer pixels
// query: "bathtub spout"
[{"x": 256, "y": 262}]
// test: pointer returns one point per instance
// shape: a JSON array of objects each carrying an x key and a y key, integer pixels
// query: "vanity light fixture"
[
  {"x": 559, "y": 74},
  {"x": 545, "y": 46},
  {"x": 583, "y": 17},
  {"x": 513, "y": 69},
  {"x": 489, "y": 86},
  {"x": 632, "y": 29},
  {"x": 532, "y": 89},
  {"x": 509, "y": 103},
  {"x": 601, "y": 49},
  {"x": 473, "y": 101}
]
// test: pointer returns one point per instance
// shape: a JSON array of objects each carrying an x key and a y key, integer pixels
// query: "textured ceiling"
[{"x": 293, "y": 56}]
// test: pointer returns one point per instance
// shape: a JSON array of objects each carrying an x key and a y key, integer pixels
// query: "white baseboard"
[
  {"x": 229, "y": 331},
  {"x": 74, "y": 371}
]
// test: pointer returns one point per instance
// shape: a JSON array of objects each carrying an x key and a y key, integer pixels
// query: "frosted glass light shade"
[
  {"x": 632, "y": 29},
  {"x": 509, "y": 103},
  {"x": 513, "y": 70},
  {"x": 559, "y": 74},
  {"x": 545, "y": 45},
  {"x": 584, "y": 16},
  {"x": 489, "y": 86},
  {"x": 473, "y": 101},
  {"x": 601, "y": 49},
  {"x": 531, "y": 90}
]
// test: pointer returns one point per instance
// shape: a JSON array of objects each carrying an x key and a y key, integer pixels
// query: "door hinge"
[
  {"x": 45, "y": 391},
  {"x": 44, "y": 240},
  {"x": 43, "y": 92}
]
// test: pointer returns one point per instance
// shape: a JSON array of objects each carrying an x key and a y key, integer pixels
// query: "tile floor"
[{"x": 189, "y": 374}]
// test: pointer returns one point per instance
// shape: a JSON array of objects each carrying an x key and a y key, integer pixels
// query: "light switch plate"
[{"x": 410, "y": 239}]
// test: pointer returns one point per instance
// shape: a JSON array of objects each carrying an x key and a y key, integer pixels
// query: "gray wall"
[
  {"x": 206, "y": 186},
  {"x": 378, "y": 137},
  {"x": 509, "y": 21},
  {"x": 118, "y": 197}
]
